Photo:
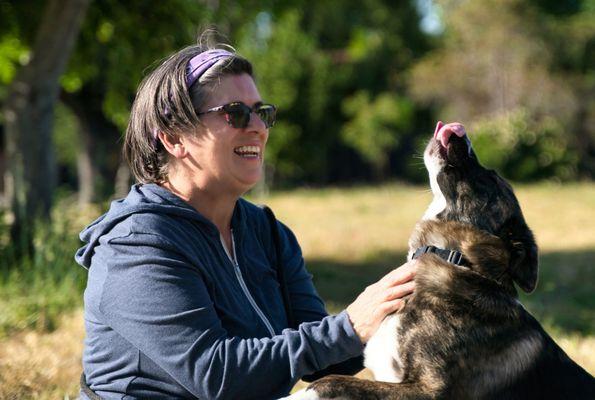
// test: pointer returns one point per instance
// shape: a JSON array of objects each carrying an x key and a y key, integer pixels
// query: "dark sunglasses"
[{"x": 238, "y": 114}]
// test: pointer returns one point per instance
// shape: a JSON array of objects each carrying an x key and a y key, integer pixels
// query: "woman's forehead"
[{"x": 235, "y": 88}]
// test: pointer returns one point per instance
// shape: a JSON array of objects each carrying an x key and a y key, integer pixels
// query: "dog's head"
[{"x": 468, "y": 194}]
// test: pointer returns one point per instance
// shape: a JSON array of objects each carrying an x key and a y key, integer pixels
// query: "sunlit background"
[{"x": 359, "y": 85}]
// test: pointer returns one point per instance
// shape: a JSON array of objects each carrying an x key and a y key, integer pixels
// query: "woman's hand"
[{"x": 380, "y": 299}]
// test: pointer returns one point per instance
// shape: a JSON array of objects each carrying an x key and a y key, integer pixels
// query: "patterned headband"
[{"x": 201, "y": 63}]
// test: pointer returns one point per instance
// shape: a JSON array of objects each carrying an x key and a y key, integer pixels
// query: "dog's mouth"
[
  {"x": 451, "y": 147},
  {"x": 449, "y": 159}
]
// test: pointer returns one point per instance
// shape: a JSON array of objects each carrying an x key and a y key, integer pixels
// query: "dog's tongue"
[{"x": 442, "y": 133}]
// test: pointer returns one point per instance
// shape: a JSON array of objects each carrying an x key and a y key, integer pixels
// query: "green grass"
[
  {"x": 352, "y": 237},
  {"x": 564, "y": 300},
  {"x": 36, "y": 291}
]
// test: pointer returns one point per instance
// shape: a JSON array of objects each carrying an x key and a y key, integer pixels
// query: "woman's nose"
[{"x": 256, "y": 123}]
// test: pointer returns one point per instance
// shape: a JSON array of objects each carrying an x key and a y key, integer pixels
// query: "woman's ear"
[{"x": 172, "y": 144}]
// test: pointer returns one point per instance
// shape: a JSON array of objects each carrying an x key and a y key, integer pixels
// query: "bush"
[{"x": 524, "y": 148}]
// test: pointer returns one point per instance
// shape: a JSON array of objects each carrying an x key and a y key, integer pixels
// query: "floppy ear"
[{"x": 523, "y": 264}]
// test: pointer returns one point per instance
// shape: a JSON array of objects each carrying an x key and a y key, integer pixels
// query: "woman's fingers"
[
  {"x": 402, "y": 274},
  {"x": 393, "y": 306},
  {"x": 400, "y": 291},
  {"x": 380, "y": 299}
]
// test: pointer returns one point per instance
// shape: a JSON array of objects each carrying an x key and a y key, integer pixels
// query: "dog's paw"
[{"x": 304, "y": 394}]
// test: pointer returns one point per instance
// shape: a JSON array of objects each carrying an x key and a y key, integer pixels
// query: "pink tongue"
[
  {"x": 439, "y": 125},
  {"x": 444, "y": 132}
]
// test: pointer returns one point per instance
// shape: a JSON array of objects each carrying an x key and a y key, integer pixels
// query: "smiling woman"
[
  {"x": 219, "y": 158},
  {"x": 183, "y": 299}
]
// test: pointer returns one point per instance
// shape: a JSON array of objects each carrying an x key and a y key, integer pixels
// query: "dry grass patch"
[
  {"x": 37, "y": 365},
  {"x": 355, "y": 223},
  {"x": 351, "y": 224},
  {"x": 581, "y": 349}
]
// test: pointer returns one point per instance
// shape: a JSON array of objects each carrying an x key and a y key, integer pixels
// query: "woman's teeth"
[{"x": 247, "y": 151}]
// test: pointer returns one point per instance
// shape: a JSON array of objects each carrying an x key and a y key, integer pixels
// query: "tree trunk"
[
  {"x": 99, "y": 151},
  {"x": 2, "y": 167},
  {"x": 29, "y": 114},
  {"x": 86, "y": 170},
  {"x": 123, "y": 180}
]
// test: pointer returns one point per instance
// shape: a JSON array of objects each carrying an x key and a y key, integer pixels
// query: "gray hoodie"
[{"x": 169, "y": 314}]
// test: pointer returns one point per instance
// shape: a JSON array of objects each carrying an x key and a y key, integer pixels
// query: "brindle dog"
[{"x": 463, "y": 334}]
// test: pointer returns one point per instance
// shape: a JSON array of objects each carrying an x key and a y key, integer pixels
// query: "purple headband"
[
  {"x": 197, "y": 66},
  {"x": 200, "y": 64}
]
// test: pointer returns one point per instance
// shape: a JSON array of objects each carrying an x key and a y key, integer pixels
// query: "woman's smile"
[{"x": 249, "y": 152}]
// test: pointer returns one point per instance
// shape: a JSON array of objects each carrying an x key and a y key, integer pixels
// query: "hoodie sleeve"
[
  {"x": 306, "y": 303},
  {"x": 158, "y": 302}
]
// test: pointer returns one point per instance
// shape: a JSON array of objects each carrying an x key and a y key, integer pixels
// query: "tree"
[
  {"x": 28, "y": 114},
  {"x": 121, "y": 42},
  {"x": 500, "y": 61},
  {"x": 315, "y": 59}
]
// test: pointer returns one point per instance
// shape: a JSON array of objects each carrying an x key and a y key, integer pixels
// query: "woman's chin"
[{"x": 248, "y": 182}]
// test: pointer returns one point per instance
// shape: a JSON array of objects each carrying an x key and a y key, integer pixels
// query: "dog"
[{"x": 463, "y": 334}]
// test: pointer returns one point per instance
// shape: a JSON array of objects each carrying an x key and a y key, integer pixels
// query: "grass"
[
  {"x": 36, "y": 291},
  {"x": 43, "y": 365},
  {"x": 350, "y": 238}
]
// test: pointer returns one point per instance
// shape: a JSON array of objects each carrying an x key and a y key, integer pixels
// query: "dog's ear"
[{"x": 523, "y": 264}]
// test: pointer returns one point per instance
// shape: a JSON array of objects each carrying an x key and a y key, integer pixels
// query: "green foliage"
[
  {"x": 358, "y": 84},
  {"x": 493, "y": 60},
  {"x": 120, "y": 41},
  {"x": 12, "y": 53},
  {"x": 524, "y": 149},
  {"x": 349, "y": 47},
  {"x": 66, "y": 138},
  {"x": 363, "y": 43},
  {"x": 375, "y": 125},
  {"x": 282, "y": 54},
  {"x": 498, "y": 68}
]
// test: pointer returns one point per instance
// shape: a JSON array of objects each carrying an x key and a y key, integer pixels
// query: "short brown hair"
[{"x": 163, "y": 103}]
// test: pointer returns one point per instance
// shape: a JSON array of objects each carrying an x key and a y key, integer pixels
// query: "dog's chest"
[{"x": 382, "y": 351}]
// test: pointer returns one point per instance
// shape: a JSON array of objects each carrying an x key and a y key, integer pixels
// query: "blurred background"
[{"x": 359, "y": 85}]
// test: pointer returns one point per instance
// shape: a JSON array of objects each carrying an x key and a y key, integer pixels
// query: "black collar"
[{"x": 451, "y": 256}]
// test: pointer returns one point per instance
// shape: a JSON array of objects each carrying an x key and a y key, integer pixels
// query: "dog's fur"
[{"x": 463, "y": 334}]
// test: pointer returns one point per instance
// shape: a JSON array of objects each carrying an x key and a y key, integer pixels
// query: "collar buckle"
[{"x": 451, "y": 256}]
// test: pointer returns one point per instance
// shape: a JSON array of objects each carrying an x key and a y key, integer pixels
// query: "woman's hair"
[{"x": 163, "y": 103}]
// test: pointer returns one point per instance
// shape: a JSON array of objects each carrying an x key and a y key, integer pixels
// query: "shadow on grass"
[
  {"x": 564, "y": 300},
  {"x": 565, "y": 296}
]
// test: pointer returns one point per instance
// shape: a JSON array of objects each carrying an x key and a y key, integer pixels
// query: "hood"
[{"x": 147, "y": 198}]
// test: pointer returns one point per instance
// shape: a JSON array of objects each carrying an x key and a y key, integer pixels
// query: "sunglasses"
[{"x": 238, "y": 114}]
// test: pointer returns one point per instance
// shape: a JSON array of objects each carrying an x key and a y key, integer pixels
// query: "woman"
[{"x": 182, "y": 300}]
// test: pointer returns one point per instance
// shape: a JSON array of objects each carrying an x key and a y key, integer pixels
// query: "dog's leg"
[{"x": 339, "y": 387}]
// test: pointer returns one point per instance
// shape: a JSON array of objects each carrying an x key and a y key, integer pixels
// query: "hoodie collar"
[{"x": 148, "y": 198}]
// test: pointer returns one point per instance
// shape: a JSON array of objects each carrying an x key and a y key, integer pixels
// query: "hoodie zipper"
[{"x": 238, "y": 272}]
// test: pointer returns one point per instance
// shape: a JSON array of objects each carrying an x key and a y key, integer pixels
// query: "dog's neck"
[{"x": 484, "y": 253}]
